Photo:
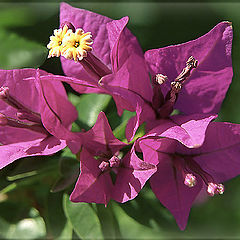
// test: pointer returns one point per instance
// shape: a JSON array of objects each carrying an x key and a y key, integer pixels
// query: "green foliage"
[
  {"x": 89, "y": 106},
  {"x": 18, "y": 52},
  {"x": 83, "y": 218}
]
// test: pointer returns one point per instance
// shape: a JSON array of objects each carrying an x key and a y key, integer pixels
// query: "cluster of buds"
[{"x": 70, "y": 43}]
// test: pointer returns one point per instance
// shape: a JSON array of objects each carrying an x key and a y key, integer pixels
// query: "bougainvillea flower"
[
  {"x": 182, "y": 172},
  {"x": 100, "y": 158},
  {"x": 205, "y": 69},
  {"x": 113, "y": 64},
  {"x": 35, "y": 116},
  {"x": 205, "y": 89},
  {"x": 115, "y": 47}
]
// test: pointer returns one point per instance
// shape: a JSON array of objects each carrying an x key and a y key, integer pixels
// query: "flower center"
[
  {"x": 76, "y": 45},
  {"x": 33, "y": 123},
  {"x": 189, "y": 167},
  {"x": 164, "y": 107},
  {"x": 55, "y": 44},
  {"x": 106, "y": 165}
]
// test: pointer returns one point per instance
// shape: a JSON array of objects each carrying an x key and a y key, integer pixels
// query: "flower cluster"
[
  {"x": 180, "y": 154},
  {"x": 70, "y": 43}
]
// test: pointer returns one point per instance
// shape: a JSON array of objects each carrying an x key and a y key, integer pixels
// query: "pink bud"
[
  {"x": 104, "y": 166},
  {"x": 220, "y": 188},
  {"x": 69, "y": 25},
  {"x": 114, "y": 162},
  {"x": 160, "y": 78},
  {"x": 214, "y": 188},
  {"x": 190, "y": 180}
]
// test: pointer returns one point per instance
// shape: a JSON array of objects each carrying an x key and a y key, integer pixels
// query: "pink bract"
[
  {"x": 205, "y": 90},
  {"x": 47, "y": 99},
  {"x": 94, "y": 183},
  {"x": 215, "y": 161}
]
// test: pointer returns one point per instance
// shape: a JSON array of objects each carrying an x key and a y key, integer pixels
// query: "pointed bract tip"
[{"x": 228, "y": 22}]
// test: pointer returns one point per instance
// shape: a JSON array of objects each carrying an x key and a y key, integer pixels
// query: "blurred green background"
[{"x": 28, "y": 209}]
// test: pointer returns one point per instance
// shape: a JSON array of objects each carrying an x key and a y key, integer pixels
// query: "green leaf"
[
  {"x": 69, "y": 170},
  {"x": 31, "y": 166},
  {"x": 83, "y": 219},
  {"x": 119, "y": 131},
  {"x": 15, "y": 16},
  {"x": 4, "y": 227},
  {"x": 18, "y": 52},
  {"x": 89, "y": 106},
  {"x": 27, "y": 181},
  {"x": 131, "y": 229},
  {"x": 27, "y": 228},
  {"x": 158, "y": 218},
  {"x": 55, "y": 218},
  {"x": 66, "y": 232},
  {"x": 19, "y": 14},
  {"x": 108, "y": 221}
]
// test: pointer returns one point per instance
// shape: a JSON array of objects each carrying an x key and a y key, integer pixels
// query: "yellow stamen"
[
  {"x": 55, "y": 44},
  {"x": 76, "y": 45}
]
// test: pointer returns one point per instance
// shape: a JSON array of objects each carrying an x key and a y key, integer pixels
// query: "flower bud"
[
  {"x": 190, "y": 180},
  {"x": 104, "y": 166}
]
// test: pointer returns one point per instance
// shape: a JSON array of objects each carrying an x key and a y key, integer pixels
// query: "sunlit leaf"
[
  {"x": 27, "y": 228},
  {"x": 89, "y": 106},
  {"x": 69, "y": 171}
]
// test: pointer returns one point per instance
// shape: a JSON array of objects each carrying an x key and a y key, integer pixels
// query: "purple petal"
[
  {"x": 128, "y": 60},
  {"x": 57, "y": 113},
  {"x": 100, "y": 139},
  {"x": 154, "y": 147},
  {"x": 188, "y": 130},
  {"x": 131, "y": 177},
  {"x": 26, "y": 93},
  {"x": 168, "y": 183},
  {"x": 42, "y": 146},
  {"x": 89, "y": 22},
  {"x": 81, "y": 86},
  {"x": 92, "y": 185},
  {"x": 168, "y": 186},
  {"x": 219, "y": 155},
  {"x": 205, "y": 90},
  {"x": 131, "y": 101}
]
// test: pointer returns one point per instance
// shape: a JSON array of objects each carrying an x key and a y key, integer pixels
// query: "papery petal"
[
  {"x": 219, "y": 154},
  {"x": 57, "y": 112},
  {"x": 42, "y": 146},
  {"x": 89, "y": 22},
  {"x": 188, "y": 130},
  {"x": 205, "y": 90},
  {"x": 79, "y": 85},
  {"x": 156, "y": 149},
  {"x": 168, "y": 185},
  {"x": 100, "y": 138},
  {"x": 126, "y": 99},
  {"x": 92, "y": 185},
  {"x": 27, "y": 94},
  {"x": 131, "y": 177},
  {"x": 128, "y": 60}
]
